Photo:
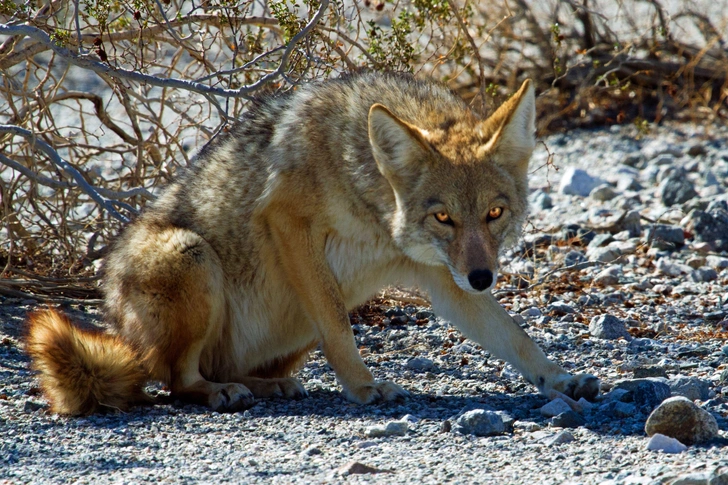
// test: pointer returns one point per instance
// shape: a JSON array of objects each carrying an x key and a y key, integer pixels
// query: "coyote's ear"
[
  {"x": 512, "y": 130},
  {"x": 398, "y": 147}
]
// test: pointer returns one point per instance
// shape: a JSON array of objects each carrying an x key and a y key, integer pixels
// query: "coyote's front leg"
[
  {"x": 300, "y": 250},
  {"x": 481, "y": 318}
]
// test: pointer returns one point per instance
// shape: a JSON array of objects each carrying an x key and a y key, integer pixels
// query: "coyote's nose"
[{"x": 480, "y": 279}]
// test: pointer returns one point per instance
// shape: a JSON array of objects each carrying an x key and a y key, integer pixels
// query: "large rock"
[
  {"x": 676, "y": 189},
  {"x": 711, "y": 227},
  {"x": 690, "y": 387},
  {"x": 665, "y": 236},
  {"x": 608, "y": 327},
  {"x": 660, "y": 442},
  {"x": 555, "y": 407},
  {"x": 392, "y": 428},
  {"x": 680, "y": 418},
  {"x": 481, "y": 422},
  {"x": 578, "y": 182},
  {"x": 645, "y": 393},
  {"x": 603, "y": 254}
]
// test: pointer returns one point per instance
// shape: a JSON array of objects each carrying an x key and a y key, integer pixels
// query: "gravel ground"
[{"x": 595, "y": 282}]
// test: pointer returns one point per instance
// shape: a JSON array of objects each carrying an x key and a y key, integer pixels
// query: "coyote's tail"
[{"x": 82, "y": 371}]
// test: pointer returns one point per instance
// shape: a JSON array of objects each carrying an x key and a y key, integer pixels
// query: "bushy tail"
[{"x": 82, "y": 371}]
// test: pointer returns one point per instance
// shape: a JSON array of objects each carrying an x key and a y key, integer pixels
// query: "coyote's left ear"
[{"x": 512, "y": 130}]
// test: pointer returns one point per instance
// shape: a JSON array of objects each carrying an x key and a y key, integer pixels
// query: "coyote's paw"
[
  {"x": 283, "y": 387},
  {"x": 377, "y": 391},
  {"x": 578, "y": 386},
  {"x": 229, "y": 398}
]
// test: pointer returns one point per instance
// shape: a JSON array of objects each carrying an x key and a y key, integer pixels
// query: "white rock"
[
  {"x": 393, "y": 428},
  {"x": 531, "y": 312},
  {"x": 660, "y": 442},
  {"x": 555, "y": 407},
  {"x": 671, "y": 268},
  {"x": 559, "y": 439},
  {"x": 578, "y": 182},
  {"x": 585, "y": 405},
  {"x": 603, "y": 254}
]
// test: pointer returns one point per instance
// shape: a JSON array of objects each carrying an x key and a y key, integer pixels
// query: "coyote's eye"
[
  {"x": 495, "y": 213},
  {"x": 443, "y": 218}
]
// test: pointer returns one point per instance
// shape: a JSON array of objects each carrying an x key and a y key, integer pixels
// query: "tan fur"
[
  {"x": 311, "y": 204},
  {"x": 82, "y": 372}
]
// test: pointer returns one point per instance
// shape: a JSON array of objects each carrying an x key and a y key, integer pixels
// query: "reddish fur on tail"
[{"x": 82, "y": 371}]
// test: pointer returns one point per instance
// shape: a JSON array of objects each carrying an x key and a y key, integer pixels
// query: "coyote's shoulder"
[{"x": 315, "y": 200}]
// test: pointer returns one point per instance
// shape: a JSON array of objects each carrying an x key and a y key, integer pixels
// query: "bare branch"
[
  {"x": 67, "y": 168},
  {"x": 86, "y": 62},
  {"x": 135, "y": 34}
]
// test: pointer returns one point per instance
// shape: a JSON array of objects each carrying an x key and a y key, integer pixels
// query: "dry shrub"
[{"x": 102, "y": 101}]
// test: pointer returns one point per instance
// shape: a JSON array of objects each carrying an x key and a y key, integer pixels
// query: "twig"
[
  {"x": 542, "y": 280},
  {"x": 134, "y": 34},
  {"x": 90, "y": 190},
  {"x": 118, "y": 73},
  {"x": 50, "y": 299},
  {"x": 474, "y": 48}
]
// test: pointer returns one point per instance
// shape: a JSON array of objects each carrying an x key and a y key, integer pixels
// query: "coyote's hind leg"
[{"x": 166, "y": 290}]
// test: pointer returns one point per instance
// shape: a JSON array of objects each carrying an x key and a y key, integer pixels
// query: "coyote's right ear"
[
  {"x": 511, "y": 131},
  {"x": 398, "y": 146}
]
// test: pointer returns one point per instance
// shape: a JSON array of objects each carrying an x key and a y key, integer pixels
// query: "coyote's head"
[{"x": 459, "y": 184}]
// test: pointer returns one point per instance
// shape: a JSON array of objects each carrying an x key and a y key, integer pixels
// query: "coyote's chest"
[{"x": 362, "y": 258}]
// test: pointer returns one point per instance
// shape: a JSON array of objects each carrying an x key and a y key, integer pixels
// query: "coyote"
[{"x": 310, "y": 204}]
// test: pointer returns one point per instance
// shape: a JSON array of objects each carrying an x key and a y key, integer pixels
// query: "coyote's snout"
[{"x": 314, "y": 201}]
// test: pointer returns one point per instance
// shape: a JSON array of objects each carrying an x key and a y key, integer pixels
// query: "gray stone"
[
  {"x": 357, "y": 468},
  {"x": 664, "y": 236},
  {"x": 560, "y": 439},
  {"x": 711, "y": 227},
  {"x": 531, "y": 312},
  {"x": 574, "y": 257},
  {"x": 680, "y": 418},
  {"x": 568, "y": 419},
  {"x": 665, "y": 159},
  {"x": 618, "y": 409},
  {"x": 31, "y": 406},
  {"x": 628, "y": 183},
  {"x": 608, "y": 276},
  {"x": 312, "y": 450},
  {"x": 601, "y": 240},
  {"x": 660, "y": 442},
  {"x": 393, "y": 428},
  {"x": 631, "y": 221},
  {"x": 420, "y": 364},
  {"x": 710, "y": 180},
  {"x": 704, "y": 274},
  {"x": 719, "y": 476},
  {"x": 481, "y": 422},
  {"x": 676, "y": 189},
  {"x": 717, "y": 262},
  {"x": 649, "y": 371},
  {"x": 608, "y": 327},
  {"x": 560, "y": 308},
  {"x": 554, "y": 408},
  {"x": 578, "y": 182},
  {"x": 540, "y": 200},
  {"x": 603, "y": 255},
  {"x": 671, "y": 268},
  {"x": 690, "y": 387},
  {"x": 633, "y": 160},
  {"x": 645, "y": 393},
  {"x": 603, "y": 193}
]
